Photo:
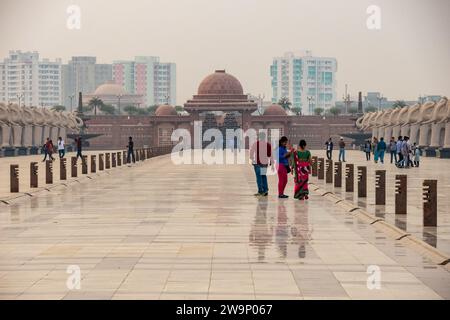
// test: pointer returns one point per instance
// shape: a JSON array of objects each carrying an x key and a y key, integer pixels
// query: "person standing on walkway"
[
  {"x": 399, "y": 146},
  {"x": 367, "y": 149},
  {"x": 381, "y": 149},
  {"x": 61, "y": 148},
  {"x": 79, "y": 147},
  {"x": 261, "y": 156},
  {"x": 301, "y": 163},
  {"x": 342, "y": 150},
  {"x": 416, "y": 155},
  {"x": 393, "y": 150},
  {"x": 375, "y": 149},
  {"x": 130, "y": 148},
  {"x": 283, "y": 166},
  {"x": 44, "y": 148},
  {"x": 329, "y": 147},
  {"x": 405, "y": 152}
]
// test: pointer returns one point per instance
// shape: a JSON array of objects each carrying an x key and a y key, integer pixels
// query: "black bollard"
[
  {"x": 401, "y": 194},
  {"x": 349, "y": 177},
  {"x": 34, "y": 175},
  {"x": 380, "y": 187},
  {"x": 362, "y": 182},
  {"x": 430, "y": 203},
  {"x": 14, "y": 178}
]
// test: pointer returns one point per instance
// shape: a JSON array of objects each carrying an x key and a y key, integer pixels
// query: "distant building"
[
  {"x": 309, "y": 82},
  {"x": 147, "y": 76},
  {"x": 82, "y": 73},
  {"x": 32, "y": 81},
  {"x": 425, "y": 98},
  {"x": 114, "y": 94}
]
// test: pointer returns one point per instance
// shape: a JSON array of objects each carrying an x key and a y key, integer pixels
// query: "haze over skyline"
[{"x": 408, "y": 57}]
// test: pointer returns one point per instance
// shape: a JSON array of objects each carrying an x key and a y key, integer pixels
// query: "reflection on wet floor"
[{"x": 284, "y": 234}]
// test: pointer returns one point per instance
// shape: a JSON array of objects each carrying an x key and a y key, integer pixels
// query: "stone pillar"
[
  {"x": 405, "y": 130},
  {"x": 37, "y": 136},
  {"x": 396, "y": 131},
  {"x": 17, "y": 136},
  {"x": 447, "y": 135},
  {"x": 401, "y": 194},
  {"x": 430, "y": 203},
  {"x": 27, "y": 136},
  {"x": 380, "y": 187},
  {"x": 45, "y": 134},
  {"x": 34, "y": 175},
  {"x": 6, "y": 136},
  {"x": 436, "y": 135},
  {"x": 374, "y": 132},
  {"x": 14, "y": 178},
  {"x": 424, "y": 135},
  {"x": 388, "y": 133},
  {"x": 414, "y": 133}
]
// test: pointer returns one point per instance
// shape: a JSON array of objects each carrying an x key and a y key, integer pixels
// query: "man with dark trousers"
[
  {"x": 130, "y": 148},
  {"x": 329, "y": 147}
]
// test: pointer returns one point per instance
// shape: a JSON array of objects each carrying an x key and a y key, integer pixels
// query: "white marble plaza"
[{"x": 160, "y": 231}]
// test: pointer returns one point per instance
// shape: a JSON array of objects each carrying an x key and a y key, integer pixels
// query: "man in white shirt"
[{"x": 61, "y": 148}]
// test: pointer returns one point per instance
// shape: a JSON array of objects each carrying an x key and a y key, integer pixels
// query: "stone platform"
[{"x": 162, "y": 231}]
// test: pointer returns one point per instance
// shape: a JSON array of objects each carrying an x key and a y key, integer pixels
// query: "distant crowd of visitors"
[{"x": 403, "y": 153}]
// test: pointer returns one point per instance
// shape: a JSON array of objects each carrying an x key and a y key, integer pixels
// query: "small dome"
[
  {"x": 110, "y": 88},
  {"x": 220, "y": 83},
  {"x": 275, "y": 110},
  {"x": 166, "y": 110}
]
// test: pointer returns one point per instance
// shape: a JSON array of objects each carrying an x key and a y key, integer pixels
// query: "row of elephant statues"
[
  {"x": 30, "y": 126},
  {"x": 426, "y": 124}
]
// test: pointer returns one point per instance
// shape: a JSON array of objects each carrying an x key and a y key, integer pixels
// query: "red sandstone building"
[{"x": 219, "y": 102}]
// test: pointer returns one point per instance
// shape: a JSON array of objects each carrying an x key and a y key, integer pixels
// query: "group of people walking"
[
  {"x": 49, "y": 149},
  {"x": 329, "y": 147},
  {"x": 294, "y": 160},
  {"x": 403, "y": 153}
]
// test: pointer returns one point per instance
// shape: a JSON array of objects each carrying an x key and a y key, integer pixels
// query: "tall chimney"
[
  {"x": 80, "y": 103},
  {"x": 360, "y": 106}
]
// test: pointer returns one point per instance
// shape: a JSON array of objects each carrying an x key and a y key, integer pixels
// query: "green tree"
[
  {"x": 370, "y": 109},
  {"x": 107, "y": 109},
  {"x": 285, "y": 103},
  {"x": 95, "y": 103},
  {"x": 353, "y": 110},
  {"x": 131, "y": 110},
  {"x": 399, "y": 103},
  {"x": 142, "y": 112},
  {"x": 334, "y": 111},
  {"x": 152, "y": 109},
  {"x": 87, "y": 108},
  {"x": 179, "y": 109},
  {"x": 59, "y": 108},
  {"x": 318, "y": 111},
  {"x": 297, "y": 110}
]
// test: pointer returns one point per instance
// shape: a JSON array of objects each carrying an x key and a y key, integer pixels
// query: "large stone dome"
[
  {"x": 220, "y": 83},
  {"x": 110, "y": 88},
  {"x": 275, "y": 110},
  {"x": 165, "y": 110}
]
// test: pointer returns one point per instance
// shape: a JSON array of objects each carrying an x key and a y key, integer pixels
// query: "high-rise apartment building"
[
  {"x": 82, "y": 74},
  {"x": 147, "y": 76},
  {"x": 32, "y": 82},
  {"x": 308, "y": 82}
]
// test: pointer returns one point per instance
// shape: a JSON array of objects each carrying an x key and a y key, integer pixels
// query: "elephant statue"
[
  {"x": 438, "y": 123},
  {"x": 399, "y": 121},
  {"x": 385, "y": 129},
  {"x": 16, "y": 117},
  {"x": 391, "y": 122},
  {"x": 39, "y": 122},
  {"x": 48, "y": 123},
  {"x": 5, "y": 128},
  {"x": 406, "y": 126},
  {"x": 28, "y": 121},
  {"x": 426, "y": 112},
  {"x": 447, "y": 127}
]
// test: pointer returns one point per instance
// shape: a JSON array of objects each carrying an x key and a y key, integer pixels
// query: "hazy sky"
[{"x": 409, "y": 56}]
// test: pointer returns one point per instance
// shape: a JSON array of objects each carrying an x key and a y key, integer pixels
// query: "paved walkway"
[
  {"x": 430, "y": 168},
  {"x": 160, "y": 231}
]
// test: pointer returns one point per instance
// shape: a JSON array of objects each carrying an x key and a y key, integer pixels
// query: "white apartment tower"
[
  {"x": 147, "y": 76},
  {"x": 32, "y": 82},
  {"x": 308, "y": 82}
]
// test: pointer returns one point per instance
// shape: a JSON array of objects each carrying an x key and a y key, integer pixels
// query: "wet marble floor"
[
  {"x": 412, "y": 222},
  {"x": 163, "y": 231}
]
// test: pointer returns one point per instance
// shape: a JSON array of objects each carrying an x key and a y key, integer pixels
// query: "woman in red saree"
[{"x": 301, "y": 163}]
